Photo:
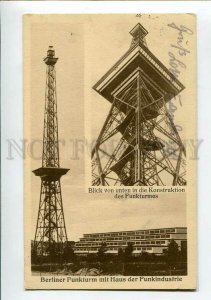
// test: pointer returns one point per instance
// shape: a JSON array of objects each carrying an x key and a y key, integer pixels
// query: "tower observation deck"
[
  {"x": 50, "y": 234},
  {"x": 148, "y": 148}
]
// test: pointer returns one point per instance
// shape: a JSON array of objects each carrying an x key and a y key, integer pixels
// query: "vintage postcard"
[{"x": 110, "y": 127}]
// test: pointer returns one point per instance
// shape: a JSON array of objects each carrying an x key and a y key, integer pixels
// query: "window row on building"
[
  {"x": 112, "y": 249},
  {"x": 79, "y": 244},
  {"x": 138, "y": 232},
  {"x": 117, "y": 238}
]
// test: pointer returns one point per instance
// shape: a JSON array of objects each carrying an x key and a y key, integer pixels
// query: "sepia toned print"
[
  {"x": 110, "y": 177},
  {"x": 150, "y": 150}
]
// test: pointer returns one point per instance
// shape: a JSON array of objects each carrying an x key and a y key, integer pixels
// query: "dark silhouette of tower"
[
  {"x": 50, "y": 234},
  {"x": 139, "y": 143}
]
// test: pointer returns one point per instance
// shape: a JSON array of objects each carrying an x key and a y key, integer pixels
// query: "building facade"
[{"x": 154, "y": 241}]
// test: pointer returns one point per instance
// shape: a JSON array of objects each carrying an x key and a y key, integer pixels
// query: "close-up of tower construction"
[
  {"x": 139, "y": 143},
  {"x": 50, "y": 232}
]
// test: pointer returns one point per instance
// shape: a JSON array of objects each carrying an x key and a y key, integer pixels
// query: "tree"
[
  {"x": 172, "y": 254},
  {"x": 33, "y": 254},
  {"x": 52, "y": 252},
  {"x": 144, "y": 256},
  {"x": 68, "y": 253},
  {"x": 183, "y": 252},
  {"x": 120, "y": 254},
  {"x": 101, "y": 252},
  {"x": 128, "y": 251},
  {"x": 121, "y": 258}
]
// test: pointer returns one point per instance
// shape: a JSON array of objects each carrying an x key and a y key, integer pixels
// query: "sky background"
[{"x": 87, "y": 47}]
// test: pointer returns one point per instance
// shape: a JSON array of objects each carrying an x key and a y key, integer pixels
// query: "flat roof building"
[{"x": 149, "y": 240}]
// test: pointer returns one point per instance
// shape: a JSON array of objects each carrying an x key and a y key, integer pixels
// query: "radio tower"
[
  {"x": 139, "y": 143},
  {"x": 50, "y": 234}
]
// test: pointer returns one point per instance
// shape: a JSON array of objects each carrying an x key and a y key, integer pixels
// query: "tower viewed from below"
[{"x": 139, "y": 143}]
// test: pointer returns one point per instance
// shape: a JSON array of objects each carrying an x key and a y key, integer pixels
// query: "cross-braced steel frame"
[
  {"x": 139, "y": 143},
  {"x": 50, "y": 232},
  {"x": 50, "y": 157},
  {"x": 50, "y": 222}
]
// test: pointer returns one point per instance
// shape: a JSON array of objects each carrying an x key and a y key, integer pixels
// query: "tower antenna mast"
[{"x": 51, "y": 233}]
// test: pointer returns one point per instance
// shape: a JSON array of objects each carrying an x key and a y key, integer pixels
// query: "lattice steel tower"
[
  {"x": 139, "y": 143},
  {"x": 50, "y": 230}
]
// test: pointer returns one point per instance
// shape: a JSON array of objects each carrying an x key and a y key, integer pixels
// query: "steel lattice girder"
[
  {"x": 50, "y": 230},
  {"x": 50, "y": 222},
  {"x": 147, "y": 141}
]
